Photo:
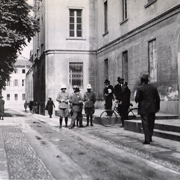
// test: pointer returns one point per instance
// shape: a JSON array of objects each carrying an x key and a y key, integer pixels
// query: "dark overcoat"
[{"x": 148, "y": 99}]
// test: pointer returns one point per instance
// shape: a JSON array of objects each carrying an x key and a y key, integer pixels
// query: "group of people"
[
  {"x": 147, "y": 97},
  {"x": 121, "y": 94},
  {"x": 72, "y": 105}
]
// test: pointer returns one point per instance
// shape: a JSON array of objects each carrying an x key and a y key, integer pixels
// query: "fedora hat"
[
  {"x": 145, "y": 77},
  {"x": 76, "y": 90},
  {"x": 106, "y": 81}
]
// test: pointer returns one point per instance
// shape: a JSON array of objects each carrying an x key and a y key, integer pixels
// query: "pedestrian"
[
  {"x": 25, "y": 105},
  {"x": 108, "y": 96},
  {"x": 63, "y": 99},
  {"x": 126, "y": 94},
  {"x": 2, "y": 102},
  {"x": 49, "y": 107},
  {"x": 118, "y": 94},
  {"x": 77, "y": 105},
  {"x": 30, "y": 105},
  {"x": 90, "y": 99},
  {"x": 148, "y": 100}
]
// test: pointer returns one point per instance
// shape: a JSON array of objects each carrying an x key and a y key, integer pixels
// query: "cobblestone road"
[{"x": 23, "y": 162}]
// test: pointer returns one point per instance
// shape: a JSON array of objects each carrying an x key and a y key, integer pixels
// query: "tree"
[{"x": 16, "y": 26}]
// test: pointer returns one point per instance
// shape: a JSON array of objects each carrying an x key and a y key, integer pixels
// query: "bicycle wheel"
[
  {"x": 132, "y": 113},
  {"x": 108, "y": 118}
]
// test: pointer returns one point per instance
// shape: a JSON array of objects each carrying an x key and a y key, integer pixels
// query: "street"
[{"x": 36, "y": 148}]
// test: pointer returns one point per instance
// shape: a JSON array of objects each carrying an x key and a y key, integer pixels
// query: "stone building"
[
  {"x": 83, "y": 42},
  {"x": 14, "y": 94}
]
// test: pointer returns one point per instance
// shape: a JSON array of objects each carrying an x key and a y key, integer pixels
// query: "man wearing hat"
[
  {"x": 77, "y": 105},
  {"x": 118, "y": 93},
  {"x": 108, "y": 95},
  {"x": 63, "y": 98},
  {"x": 148, "y": 101},
  {"x": 2, "y": 102},
  {"x": 90, "y": 99}
]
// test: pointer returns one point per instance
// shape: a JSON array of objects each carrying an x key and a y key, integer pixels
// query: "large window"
[
  {"x": 16, "y": 82},
  {"x": 15, "y": 97},
  {"x": 8, "y": 83},
  {"x": 75, "y": 23},
  {"x": 23, "y": 96},
  {"x": 152, "y": 60},
  {"x": 8, "y": 97},
  {"x": 125, "y": 66},
  {"x": 124, "y": 6},
  {"x": 76, "y": 73},
  {"x": 23, "y": 82},
  {"x": 105, "y": 16},
  {"x": 106, "y": 64}
]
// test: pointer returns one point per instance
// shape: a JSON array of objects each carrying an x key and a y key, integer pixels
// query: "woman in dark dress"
[{"x": 49, "y": 107}]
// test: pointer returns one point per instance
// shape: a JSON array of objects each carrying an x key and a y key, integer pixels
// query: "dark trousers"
[
  {"x": 148, "y": 125},
  {"x": 78, "y": 116}
]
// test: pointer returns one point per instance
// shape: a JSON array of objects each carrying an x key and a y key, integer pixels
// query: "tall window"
[
  {"x": 105, "y": 16},
  {"x": 124, "y": 5},
  {"x": 106, "y": 69},
  {"x": 152, "y": 60},
  {"x": 76, "y": 73},
  {"x": 8, "y": 83},
  {"x": 23, "y": 71},
  {"x": 16, "y": 82},
  {"x": 125, "y": 66},
  {"x": 75, "y": 22},
  {"x": 15, "y": 97},
  {"x": 23, "y": 82},
  {"x": 15, "y": 71},
  {"x": 23, "y": 96},
  {"x": 8, "y": 97}
]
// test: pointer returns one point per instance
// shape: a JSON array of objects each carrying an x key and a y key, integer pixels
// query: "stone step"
[{"x": 167, "y": 131}]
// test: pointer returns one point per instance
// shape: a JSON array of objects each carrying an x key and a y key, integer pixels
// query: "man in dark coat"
[
  {"x": 108, "y": 95},
  {"x": 118, "y": 93},
  {"x": 126, "y": 93},
  {"x": 148, "y": 101}
]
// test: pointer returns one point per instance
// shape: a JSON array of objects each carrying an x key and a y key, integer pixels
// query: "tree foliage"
[{"x": 17, "y": 27}]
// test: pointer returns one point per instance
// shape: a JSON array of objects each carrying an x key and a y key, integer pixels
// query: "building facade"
[
  {"x": 65, "y": 49},
  {"x": 83, "y": 42},
  {"x": 14, "y": 94}
]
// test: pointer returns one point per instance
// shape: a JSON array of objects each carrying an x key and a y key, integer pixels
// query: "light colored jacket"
[{"x": 63, "y": 98}]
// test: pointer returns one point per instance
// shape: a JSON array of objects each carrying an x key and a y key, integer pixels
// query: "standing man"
[
  {"x": 108, "y": 95},
  {"x": 118, "y": 93},
  {"x": 77, "y": 105},
  {"x": 63, "y": 98},
  {"x": 148, "y": 101},
  {"x": 2, "y": 102},
  {"x": 126, "y": 94},
  {"x": 90, "y": 99},
  {"x": 49, "y": 107}
]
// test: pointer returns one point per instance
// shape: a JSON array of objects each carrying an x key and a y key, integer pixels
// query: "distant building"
[
  {"x": 15, "y": 87},
  {"x": 87, "y": 41}
]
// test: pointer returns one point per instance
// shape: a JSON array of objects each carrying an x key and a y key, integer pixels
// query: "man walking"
[{"x": 148, "y": 101}]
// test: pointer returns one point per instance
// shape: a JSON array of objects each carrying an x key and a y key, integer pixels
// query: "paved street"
[{"x": 33, "y": 147}]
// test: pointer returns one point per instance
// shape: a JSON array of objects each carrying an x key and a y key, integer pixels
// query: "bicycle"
[{"x": 109, "y": 117}]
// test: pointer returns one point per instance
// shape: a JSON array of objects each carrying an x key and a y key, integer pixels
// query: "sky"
[{"x": 26, "y": 50}]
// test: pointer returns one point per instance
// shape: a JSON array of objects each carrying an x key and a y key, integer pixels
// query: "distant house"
[{"x": 15, "y": 87}]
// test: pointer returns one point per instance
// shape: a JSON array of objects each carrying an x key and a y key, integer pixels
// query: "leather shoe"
[{"x": 146, "y": 142}]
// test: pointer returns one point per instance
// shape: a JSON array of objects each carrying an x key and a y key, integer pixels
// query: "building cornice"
[
  {"x": 61, "y": 51},
  {"x": 141, "y": 28}
]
